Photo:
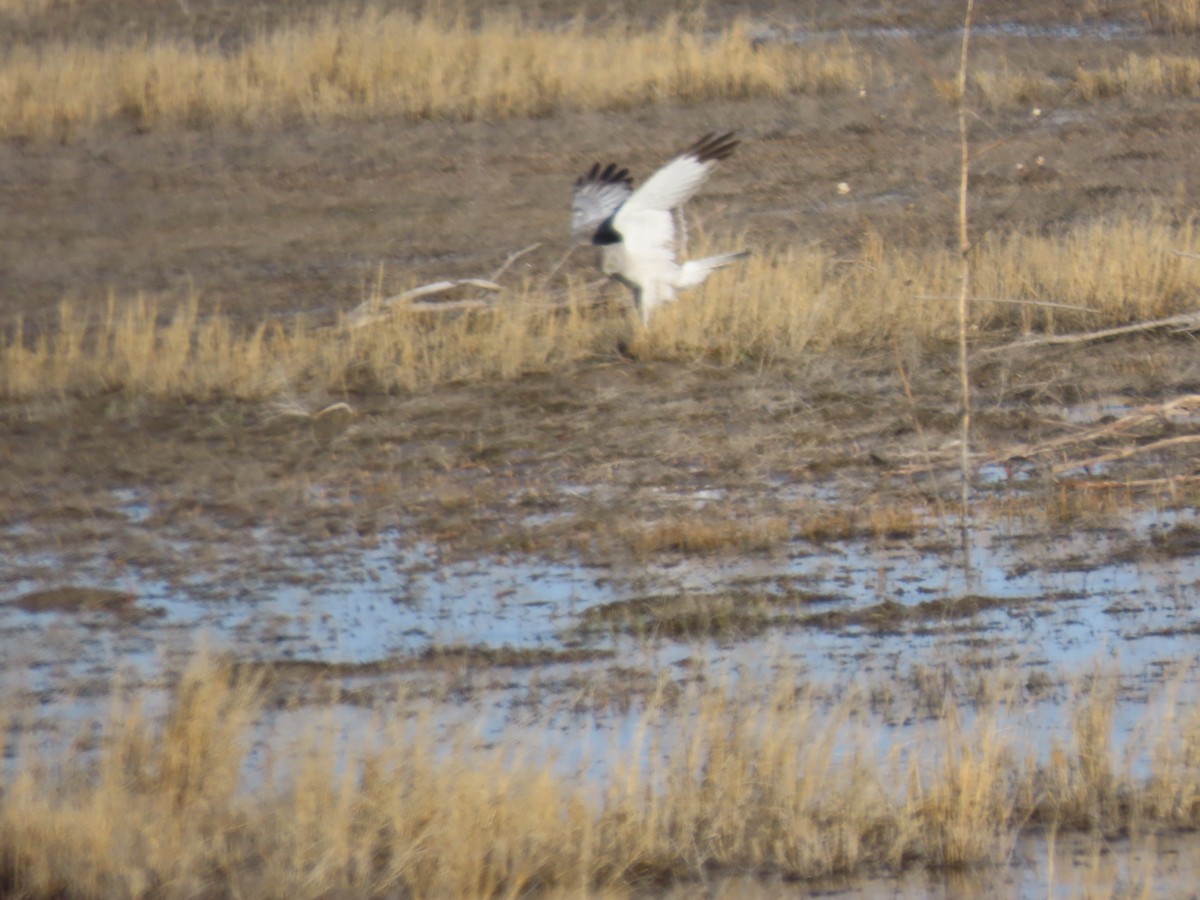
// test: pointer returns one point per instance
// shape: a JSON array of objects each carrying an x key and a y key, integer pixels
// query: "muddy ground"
[
  {"x": 301, "y": 219},
  {"x": 275, "y": 219}
]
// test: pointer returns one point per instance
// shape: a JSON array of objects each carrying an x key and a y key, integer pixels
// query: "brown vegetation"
[
  {"x": 779, "y": 306},
  {"x": 435, "y": 65},
  {"x": 745, "y": 777}
]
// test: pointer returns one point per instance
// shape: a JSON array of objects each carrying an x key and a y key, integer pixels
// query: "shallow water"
[
  {"x": 1040, "y": 867},
  {"x": 1065, "y": 600},
  {"x": 1074, "y": 591},
  {"x": 1112, "y": 594}
]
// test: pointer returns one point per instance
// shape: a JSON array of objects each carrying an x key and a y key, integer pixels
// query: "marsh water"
[
  {"x": 508, "y": 645},
  {"x": 1115, "y": 594}
]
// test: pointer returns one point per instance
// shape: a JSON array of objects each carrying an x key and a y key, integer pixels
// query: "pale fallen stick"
[
  {"x": 512, "y": 258},
  {"x": 1089, "y": 484},
  {"x": 440, "y": 287},
  {"x": 370, "y": 311},
  {"x": 1150, "y": 413},
  {"x": 948, "y": 456},
  {"x": 1141, "y": 416},
  {"x": 558, "y": 265},
  {"x": 450, "y": 305},
  {"x": 367, "y": 313},
  {"x": 1126, "y": 452},
  {"x": 1012, "y": 301},
  {"x": 327, "y": 423},
  {"x": 562, "y": 302},
  {"x": 1191, "y": 320}
]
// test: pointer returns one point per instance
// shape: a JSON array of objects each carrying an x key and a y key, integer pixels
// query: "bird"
[{"x": 635, "y": 229}]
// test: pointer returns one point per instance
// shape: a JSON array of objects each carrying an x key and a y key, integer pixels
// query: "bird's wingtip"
[
  {"x": 713, "y": 147},
  {"x": 610, "y": 174}
]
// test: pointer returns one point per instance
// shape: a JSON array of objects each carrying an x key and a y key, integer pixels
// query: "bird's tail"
[{"x": 694, "y": 271}]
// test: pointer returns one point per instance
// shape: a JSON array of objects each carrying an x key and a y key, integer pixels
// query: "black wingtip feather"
[
  {"x": 713, "y": 147},
  {"x": 610, "y": 174}
]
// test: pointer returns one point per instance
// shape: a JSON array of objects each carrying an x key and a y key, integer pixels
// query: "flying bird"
[{"x": 635, "y": 229}]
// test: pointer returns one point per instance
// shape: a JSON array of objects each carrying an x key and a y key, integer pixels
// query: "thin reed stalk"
[{"x": 964, "y": 248}]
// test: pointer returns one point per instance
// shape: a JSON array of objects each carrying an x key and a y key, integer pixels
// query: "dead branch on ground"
[
  {"x": 1085, "y": 447},
  {"x": 371, "y": 311},
  {"x": 1125, "y": 453},
  {"x": 1184, "y": 322}
]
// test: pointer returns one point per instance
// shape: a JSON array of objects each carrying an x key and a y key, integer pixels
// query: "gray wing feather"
[{"x": 597, "y": 195}]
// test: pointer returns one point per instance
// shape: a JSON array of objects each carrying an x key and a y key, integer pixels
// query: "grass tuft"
[{"x": 1139, "y": 77}]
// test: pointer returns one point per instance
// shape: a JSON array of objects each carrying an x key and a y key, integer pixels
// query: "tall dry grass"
[
  {"x": 429, "y": 66},
  {"x": 747, "y": 777},
  {"x": 1140, "y": 77},
  {"x": 773, "y": 309},
  {"x": 1175, "y": 15},
  {"x": 784, "y": 303},
  {"x": 21, "y": 9}
]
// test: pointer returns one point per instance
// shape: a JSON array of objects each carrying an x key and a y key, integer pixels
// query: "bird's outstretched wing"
[
  {"x": 675, "y": 183},
  {"x": 597, "y": 195},
  {"x": 644, "y": 221}
]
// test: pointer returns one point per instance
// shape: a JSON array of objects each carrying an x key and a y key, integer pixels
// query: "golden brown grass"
[
  {"x": 442, "y": 65},
  {"x": 429, "y": 66},
  {"x": 841, "y": 523},
  {"x": 1142, "y": 76},
  {"x": 1175, "y": 15},
  {"x": 750, "y": 777},
  {"x": 704, "y": 532},
  {"x": 1138, "y": 77},
  {"x": 1004, "y": 86},
  {"x": 773, "y": 309},
  {"x": 20, "y": 9}
]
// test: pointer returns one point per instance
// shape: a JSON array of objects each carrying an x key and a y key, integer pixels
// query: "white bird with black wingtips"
[{"x": 635, "y": 229}]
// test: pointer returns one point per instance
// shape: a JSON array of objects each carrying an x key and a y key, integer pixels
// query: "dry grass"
[
  {"x": 139, "y": 349},
  {"x": 1140, "y": 77},
  {"x": 1137, "y": 78},
  {"x": 20, "y": 9},
  {"x": 151, "y": 796},
  {"x": 704, "y": 532},
  {"x": 1174, "y": 15},
  {"x": 821, "y": 524},
  {"x": 773, "y": 309},
  {"x": 751, "y": 777},
  {"x": 1005, "y": 86},
  {"x": 432, "y": 66}
]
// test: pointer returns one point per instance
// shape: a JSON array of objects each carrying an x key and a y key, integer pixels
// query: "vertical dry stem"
[{"x": 964, "y": 247}]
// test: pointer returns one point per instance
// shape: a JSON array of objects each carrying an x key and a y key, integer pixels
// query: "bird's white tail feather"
[{"x": 694, "y": 271}]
